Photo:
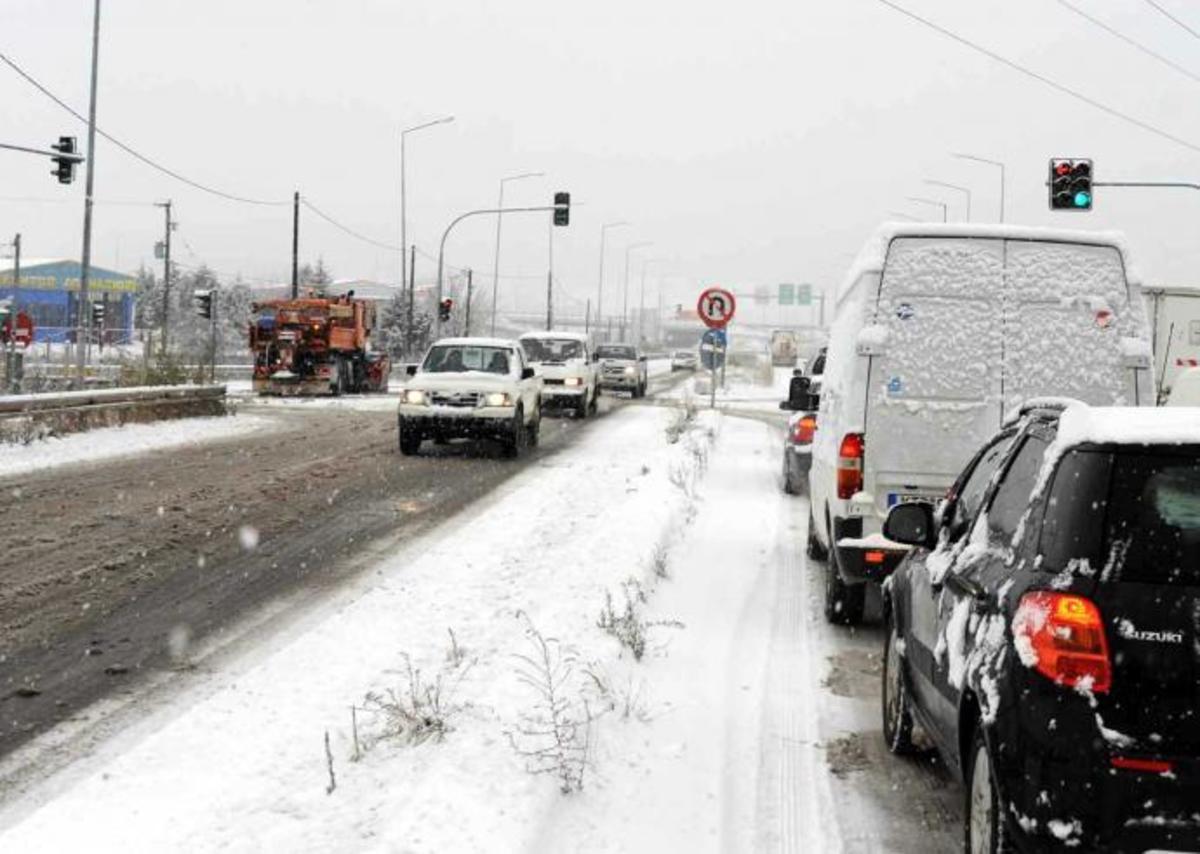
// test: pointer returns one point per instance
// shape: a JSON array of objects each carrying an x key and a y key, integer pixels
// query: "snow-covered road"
[{"x": 747, "y": 723}]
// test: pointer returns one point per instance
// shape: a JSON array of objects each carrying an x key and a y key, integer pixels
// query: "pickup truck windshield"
[
  {"x": 456, "y": 358},
  {"x": 615, "y": 351},
  {"x": 551, "y": 349}
]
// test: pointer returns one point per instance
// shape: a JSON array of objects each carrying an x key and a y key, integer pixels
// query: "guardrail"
[{"x": 24, "y": 417}]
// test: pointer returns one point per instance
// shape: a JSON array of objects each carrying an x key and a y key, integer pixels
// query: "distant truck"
[
  {"x": 1175, "y": 318},
  {"x": 785, "y": 346},
  {"x": 315, "y": 346}
]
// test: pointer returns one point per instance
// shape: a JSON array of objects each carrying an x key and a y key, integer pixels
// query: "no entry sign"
[{"x": 716, "y": 307}]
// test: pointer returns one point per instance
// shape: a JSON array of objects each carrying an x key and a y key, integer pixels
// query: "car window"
[
  {"x": 1012, "y": 496},
  {"x": 969, "y": 497},
  {"x": 1073, "y": 524},
  {"x": 457, "y": 358},
  {"x": 1153, "y": 519}
]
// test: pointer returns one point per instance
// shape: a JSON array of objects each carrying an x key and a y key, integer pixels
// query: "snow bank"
[
  {"x": 238, "y": 759},
  {"x": 125, "y": 441}
]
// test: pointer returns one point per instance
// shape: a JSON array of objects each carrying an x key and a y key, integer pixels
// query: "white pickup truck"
[
  {"x": 570, "y": 373},
  {"x": 476, "y": 388},
  {"x": 623, "y": 368}
]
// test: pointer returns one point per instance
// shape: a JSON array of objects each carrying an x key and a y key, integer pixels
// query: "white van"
[
  {"x": 939, "y": 331},
  {"x": 1175, "y": 325},
  {"x": 567, "y": 363}
]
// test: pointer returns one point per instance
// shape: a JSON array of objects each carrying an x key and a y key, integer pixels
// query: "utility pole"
[
  {"x": 81, "y": 314},
  {"x": 412, "y": 268},
  {"x": 550, "y": 277},
  {"x": 296, "y": 245},
  {"x": 17, "y": 274},
  {"x": 467, "y": 319},
  {"x": 166, "y": 304}
]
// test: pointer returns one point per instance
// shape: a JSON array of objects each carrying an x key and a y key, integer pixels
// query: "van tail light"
[
  {"x": 1066, "y": 635},
  {"x": 850, "y": 465},
  {"x": 803, "y": 430}
]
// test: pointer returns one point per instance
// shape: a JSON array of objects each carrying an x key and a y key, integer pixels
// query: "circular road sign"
[{"x": 716, "y": 307}]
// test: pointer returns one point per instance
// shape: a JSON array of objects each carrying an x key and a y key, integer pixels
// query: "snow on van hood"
[{"x": 874, "y": 252}]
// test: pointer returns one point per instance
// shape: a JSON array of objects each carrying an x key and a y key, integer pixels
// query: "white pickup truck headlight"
[
  {"x": 573, "y": 381},
  {"x": 497, "y": 398},
  {"x": 630, "y": 370},
  {"x": 415, "y": 396}
]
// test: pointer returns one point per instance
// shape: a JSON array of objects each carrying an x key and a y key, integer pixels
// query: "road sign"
[
  {"x": 787, "y": 294},
  {"x": 22, "y": 335},
  {"x": 716, "y": 307},
  {"x": 803, "y": 294}
]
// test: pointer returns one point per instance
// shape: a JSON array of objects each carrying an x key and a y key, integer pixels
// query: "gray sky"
[{"x": 754, "y": 142}]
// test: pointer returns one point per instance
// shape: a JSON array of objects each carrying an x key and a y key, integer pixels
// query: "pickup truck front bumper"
[{"x": 446, "y": 422}]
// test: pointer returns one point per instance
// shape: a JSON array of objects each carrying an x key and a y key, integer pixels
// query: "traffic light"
[
  {"x": 562, "y": 208},
  {"x": 64, "y": 167},
  {"x": 204, "y": 303},
  {"x": 444, "y": 308},
  {"x": 1070, "y": 184},
  {"x": 98, "y": 315}
]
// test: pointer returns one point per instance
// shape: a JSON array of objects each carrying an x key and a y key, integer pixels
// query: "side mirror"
[
  {"x": 527, "y": 373},
  {"x": 411, "y": 370},
  {"x": 911, "y": 524}
]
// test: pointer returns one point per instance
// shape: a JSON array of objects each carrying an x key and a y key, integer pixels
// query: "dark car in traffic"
[{"x": 1044, "y": 631}]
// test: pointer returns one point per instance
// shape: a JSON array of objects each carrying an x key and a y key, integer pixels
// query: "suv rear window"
[
  {"x": 1136, "y": 516},
  {"x": 1154, "y": 517}
]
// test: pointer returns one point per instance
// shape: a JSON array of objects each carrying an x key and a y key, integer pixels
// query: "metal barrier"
[{"x": 24, "y": 417}]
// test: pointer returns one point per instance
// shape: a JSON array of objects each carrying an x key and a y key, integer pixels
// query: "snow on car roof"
[
  {"x": 1142, "y": 425},
  {"x": 873, "y": 254},
  {"x": 564, "y": 336},
  {"x": 475, "y": 342}
]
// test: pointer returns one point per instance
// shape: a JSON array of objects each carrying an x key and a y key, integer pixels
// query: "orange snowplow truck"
[{"x": 315, "y": 346}]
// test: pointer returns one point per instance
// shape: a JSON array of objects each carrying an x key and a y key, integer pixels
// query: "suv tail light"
[
  {"x": 803, "y": 430},
  {"x": 850, "y": 465},
  {"x": 1066, "y": 634}
]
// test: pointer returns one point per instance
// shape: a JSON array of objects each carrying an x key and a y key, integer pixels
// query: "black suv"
[{"x": 1045, "y": 631}]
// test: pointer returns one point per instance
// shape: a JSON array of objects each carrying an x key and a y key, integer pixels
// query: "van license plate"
[{"x": 895, "y": 498}]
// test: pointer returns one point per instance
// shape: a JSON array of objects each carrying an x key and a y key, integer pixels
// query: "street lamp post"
[
  {"x": 996, "y": 163},
  {"x": 600, "y": 287},
  {"x": 904, "y": 216},
  {"x": 625, "y": 304},
  {"x": 403, "y": 201},
  {"x": 641, "y": 324},
  {"x": 964, "y": 190},
  {"x": 81, "y": 314},
  {"x": 934, "y": 202},
  {"x": 499, "y": 220}
]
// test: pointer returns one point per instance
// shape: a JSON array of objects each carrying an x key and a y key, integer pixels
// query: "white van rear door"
[
  {"x": 1068, "y": 306},
  {"x": 935, "y": 390}
]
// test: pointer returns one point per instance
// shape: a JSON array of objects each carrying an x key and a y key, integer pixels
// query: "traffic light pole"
[
  {"x": 437, "y": 331},
  {"x": 86, "y": 260}
]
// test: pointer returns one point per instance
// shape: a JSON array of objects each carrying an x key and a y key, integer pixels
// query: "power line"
[
  {"x": 345, "y": 228},
  {"x": 1178, "y": 22},
  {"x": 1118, "y": 34},
  {"x": 130, "y": 151},
  {"x": 1079, "y": 96}
]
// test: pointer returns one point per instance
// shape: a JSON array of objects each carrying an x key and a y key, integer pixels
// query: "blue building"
[{"x": 48, "y": 291}]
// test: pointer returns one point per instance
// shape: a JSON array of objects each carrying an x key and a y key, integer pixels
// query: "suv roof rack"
[{"x": 1040, "y": 404}]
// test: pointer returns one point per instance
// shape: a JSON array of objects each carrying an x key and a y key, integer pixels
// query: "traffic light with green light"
[{"x": 1070, "y": 184}]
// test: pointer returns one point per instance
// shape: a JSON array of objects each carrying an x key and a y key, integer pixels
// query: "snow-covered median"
[
  {"x": 124, "y": 441},
  {"x": 239, "y": 760}
]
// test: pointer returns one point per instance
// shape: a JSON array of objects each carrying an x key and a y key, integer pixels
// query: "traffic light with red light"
[
  {"x": 445, "y": 307},
  {"x": 1070, "y": 184}
]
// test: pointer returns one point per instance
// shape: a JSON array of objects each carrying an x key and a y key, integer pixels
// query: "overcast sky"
[{"x": 754, "y": 142}]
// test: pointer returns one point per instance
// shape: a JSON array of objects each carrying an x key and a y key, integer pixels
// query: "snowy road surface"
[{"x": 748, "y": 724}]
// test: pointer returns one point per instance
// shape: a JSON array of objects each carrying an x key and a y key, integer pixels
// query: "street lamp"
[
  {"x": 600, "y": 287},
  {"x": 641, "y": 330},
  {"x": 403, "y": 201},
  {"x": 991, "y": 163},
  {"x": 941, "y": 205},
  {"x": 499, "y": 220},
  {"x": 904, "y": 216},
  {"x": 625, "y": 305},
  {"x": 964, "y": 190}
]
